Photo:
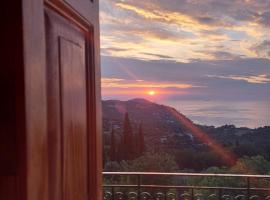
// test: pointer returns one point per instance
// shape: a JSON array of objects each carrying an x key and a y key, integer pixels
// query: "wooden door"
[
  {"x": 71, "y": 45},
  {"x": 50, "y": 135}
]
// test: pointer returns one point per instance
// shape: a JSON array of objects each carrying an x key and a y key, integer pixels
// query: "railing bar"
[
  {"x": 197, "y": 187},
  {"x": 260, "y": 189},
  {"x": 185, "y": 174},
  {"x": 188, "y": 187},
  {"x": 120, "y": 185}
]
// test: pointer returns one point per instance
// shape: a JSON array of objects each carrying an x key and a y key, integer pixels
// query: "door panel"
[
  {"x": 67, "y": 109},
  {"x": 74, "y": 135}
]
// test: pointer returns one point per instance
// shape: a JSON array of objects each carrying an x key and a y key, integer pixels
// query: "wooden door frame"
[{"x": 33, "y": 173}]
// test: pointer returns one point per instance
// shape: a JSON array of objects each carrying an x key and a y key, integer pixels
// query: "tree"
[
  {"x": 153, "y": 162},
  {"x": 141, "y": 145},
  {"x": 251, "y": 165},
  {"x": 112, "y": 147},
  {"x": 127, "y": 149}
]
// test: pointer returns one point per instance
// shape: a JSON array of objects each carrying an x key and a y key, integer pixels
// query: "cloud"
[
  {"x": 110, "y": 50},
  {"x": 223, "y": 55},
  {"x": 125, "y": 84},
  {"x": 186, "y": 27},
  {"x": 262, "y": 49},
  {"x": 264, "y": 18},
  {"x": 152, "y": 33},
  {"x": 255, "y": 79},
  {"x": 208, "y": 12},
  {"x": 158, "y": 56},
  {"x": 166, "y": 16}
]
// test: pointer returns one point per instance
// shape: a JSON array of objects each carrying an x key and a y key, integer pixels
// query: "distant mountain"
[{"x": 160, "y": 123}]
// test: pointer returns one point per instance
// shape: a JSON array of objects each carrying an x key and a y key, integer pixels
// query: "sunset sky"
[{"x": 187, "y": 50}]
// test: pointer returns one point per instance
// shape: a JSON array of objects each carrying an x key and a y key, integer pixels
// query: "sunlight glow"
[{"x": 151, "y": 93}]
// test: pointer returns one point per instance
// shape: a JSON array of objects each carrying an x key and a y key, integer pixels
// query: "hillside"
[
  {"x": 167, "y": 130},
  {"x": 159, "y": 123},
  {"x": 166, "y": 127}
]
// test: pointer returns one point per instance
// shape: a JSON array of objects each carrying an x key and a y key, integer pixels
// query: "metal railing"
[{"x": 184, "y": 186}]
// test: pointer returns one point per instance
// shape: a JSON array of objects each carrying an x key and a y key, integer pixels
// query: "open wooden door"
[
  {"x": 71, "y": 35},
  {"x": 51, "y": 132}
]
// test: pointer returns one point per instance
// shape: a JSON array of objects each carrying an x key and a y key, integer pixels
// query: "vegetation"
[
  {"x": 128, "y": 152},
  {"x": 150, "y": 161},
  {"x": 130, "y": 145},
  {"x": 113, "y": 147},
  {"x": 127, "y": 144}
]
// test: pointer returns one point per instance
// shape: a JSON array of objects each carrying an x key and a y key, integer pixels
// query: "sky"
[{"x": 211, "y": 53}]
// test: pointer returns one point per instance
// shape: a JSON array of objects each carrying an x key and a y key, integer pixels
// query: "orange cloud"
[
  {"x": 122, "y": 83},
  {"x": 185, "y": 33},
  {"x": 165, "y": 16}
]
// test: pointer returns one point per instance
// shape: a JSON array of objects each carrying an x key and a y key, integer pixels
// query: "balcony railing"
[{"x": 184, "y": 186}]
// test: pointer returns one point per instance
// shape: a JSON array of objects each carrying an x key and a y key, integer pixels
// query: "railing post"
[
  {"x": 139, "y": 186},
  {"x": 248, "y": 188},
  {"x": 113, "y": 193},
  {"x": 219, "y": 193},
  {"x": 192, "y": 194}
]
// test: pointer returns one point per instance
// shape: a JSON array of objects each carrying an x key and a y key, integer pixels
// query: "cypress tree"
[
  {"x": 128, "y": 140},
  {"x": 141, "y": 145},
  {"x": 136, "y": 144},
  {"x": 112, "y": 147},
  {"x": 120, "y": 149}
]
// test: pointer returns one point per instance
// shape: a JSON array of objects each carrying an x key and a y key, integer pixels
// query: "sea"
[{"x": 251, "y": 114}]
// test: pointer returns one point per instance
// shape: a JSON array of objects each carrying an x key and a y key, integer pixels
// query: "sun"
[{"x": 151, "y": 93}]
